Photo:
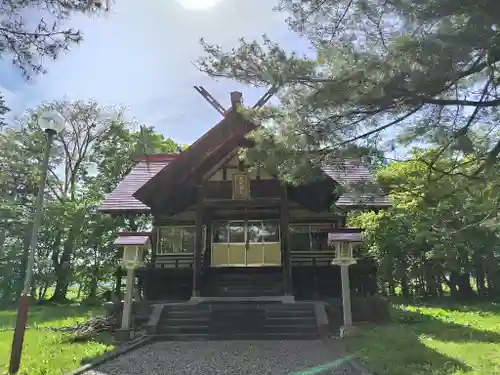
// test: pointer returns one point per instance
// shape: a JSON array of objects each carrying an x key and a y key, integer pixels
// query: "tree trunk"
[
  {"x": 62, "y": 283},
  {"x": 481, "y": 282},
  {"x": 452, "y": 284},
  {"x": 118, "y": 282},
  {"x": 465, "y": 290},
  {"x": 404, "y": 287},
  {"x": 41, "y": 291},
  {"x": 62, "y": 266},
  {"x": 44, "y": 294},
  {"x": 92, "y": 294},
  {"x": 79, "y": 293}
]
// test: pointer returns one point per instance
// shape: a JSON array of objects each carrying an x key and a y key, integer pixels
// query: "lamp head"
[{"x": 51, "y": 122}]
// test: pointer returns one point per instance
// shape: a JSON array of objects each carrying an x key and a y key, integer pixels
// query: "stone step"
[
  {"x": 240, "y": 280},
  {"x": 244, "y": 336},
  {"x": 244, "y": 287},
  {"x": 185, "y": 315},
  {"x": 285, "y": 313},
  {"x": 238, "y": 320},
  {"x": 291, "y": 321},
  {"x": 201, "y": 320}
]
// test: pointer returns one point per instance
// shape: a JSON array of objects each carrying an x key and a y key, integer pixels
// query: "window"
[
  {"x": 170, "y": 240},
  {"x": 178, "y": 240},
  {"x": 255, "y": 231},
  {"x": 308, "y": 237},
  {"x": 188, "y": 239},
  {"x": 300, "y": 239},
  {"x": 220, "y": 233},
  {"x": 319, "y": 238},
  {"x": 236, "y": 232},
  {"x": 270, "y": 231}
]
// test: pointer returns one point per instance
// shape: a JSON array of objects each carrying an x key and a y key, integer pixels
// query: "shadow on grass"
[
  {"x": 397, "y": 348},
  {"x": 51, "y": 315},
  {"x": 475, "y": 305},
  {"x": 440, "y": 327}
]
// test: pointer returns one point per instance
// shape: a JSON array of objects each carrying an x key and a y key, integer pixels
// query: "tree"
[
  {"x": 88, "y": 160},
  {"x": 442, "y": 230},
  {"x": 431, "y": 69},
  {"x": 3, "y": 110},
  {"x": 28, "y": 44}
]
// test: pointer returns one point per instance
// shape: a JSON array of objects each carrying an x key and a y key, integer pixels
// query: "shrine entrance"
[{"x": 252, "y": 243}]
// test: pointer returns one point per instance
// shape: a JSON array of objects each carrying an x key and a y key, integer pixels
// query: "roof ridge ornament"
[{"x": 236, "y": 99}]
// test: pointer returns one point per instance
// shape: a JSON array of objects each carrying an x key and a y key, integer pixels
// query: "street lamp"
[{"x": 51, "y": 123}]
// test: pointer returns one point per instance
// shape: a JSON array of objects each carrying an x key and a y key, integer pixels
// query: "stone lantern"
[
  {"x": 344, "y": 240},
  {"x": 134, "y": 246}
]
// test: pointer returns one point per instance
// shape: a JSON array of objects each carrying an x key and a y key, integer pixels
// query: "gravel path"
[{"x": 224, "y": 357}]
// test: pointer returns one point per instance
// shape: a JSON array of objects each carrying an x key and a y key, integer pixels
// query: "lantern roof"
[
  {"x": 132, "y": 239},
  {"x": 345, "y": 235}
]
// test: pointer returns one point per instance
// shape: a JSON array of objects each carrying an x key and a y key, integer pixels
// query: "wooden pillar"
[
  {"x": 208, "y": 242},
  {"x": 198, "y": 244},
  {"x": 285, "y": 243},
  {"x": 343, "y": 221},
  {"x": 154, "y": 244}
]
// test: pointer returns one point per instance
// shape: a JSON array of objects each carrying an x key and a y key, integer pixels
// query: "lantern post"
[
  {"x": 134, "y": 249},
  {"x": 344, "y": 240}
]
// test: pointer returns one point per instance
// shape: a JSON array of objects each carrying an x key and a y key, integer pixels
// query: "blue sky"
[{"x": 140, "y": 56}]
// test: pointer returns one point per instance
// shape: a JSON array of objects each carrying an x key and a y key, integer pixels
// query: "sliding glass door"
[{"x": 246, "y": 244}]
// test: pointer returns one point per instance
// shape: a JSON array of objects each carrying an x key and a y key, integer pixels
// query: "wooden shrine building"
[{"x": 225, "y": 229}]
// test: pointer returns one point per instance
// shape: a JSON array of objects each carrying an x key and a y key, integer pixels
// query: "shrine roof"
[{"x": 121, "y": 199}]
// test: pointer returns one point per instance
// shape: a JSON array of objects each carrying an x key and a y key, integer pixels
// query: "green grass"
[
  {"x": 432, "y": 340},
  {"x": 45, "y": 352}
]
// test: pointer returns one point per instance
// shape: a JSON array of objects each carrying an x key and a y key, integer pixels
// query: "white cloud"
[{"x": 140, "y": 56}]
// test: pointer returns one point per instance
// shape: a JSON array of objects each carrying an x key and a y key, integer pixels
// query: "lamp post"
[
  {"x": 51, "y": 123},
  {"x": 344, "y": 239}
]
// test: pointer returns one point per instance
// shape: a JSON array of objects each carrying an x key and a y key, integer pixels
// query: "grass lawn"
[
  {"x": 44, "y": 351},
  {"x": 431, "y": 340}
]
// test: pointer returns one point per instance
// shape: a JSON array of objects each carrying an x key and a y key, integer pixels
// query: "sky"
[{"x": 141, "y": 56}]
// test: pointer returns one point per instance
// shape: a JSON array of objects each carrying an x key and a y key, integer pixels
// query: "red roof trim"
[{"x": 157, "y": 157}]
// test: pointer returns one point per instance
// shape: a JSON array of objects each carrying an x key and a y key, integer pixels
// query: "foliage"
[
  {"x": 446, "y": 339},
  {"x": 442, "y": 229},
  {"x": 46, "y": 351},
  {"x": 427, "y": 70},
  {"x": 29, "y": 43},
  {"x": 3, "y": 110},
  {"x": 88, "y": 159}
]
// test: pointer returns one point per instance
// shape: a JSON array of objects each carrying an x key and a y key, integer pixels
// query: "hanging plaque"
[{"x": 241, "y": 188}]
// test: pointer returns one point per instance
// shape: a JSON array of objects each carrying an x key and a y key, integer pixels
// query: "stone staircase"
[
  {"x": 236, "y": 321},
  {"x": 244, "y": 282}
]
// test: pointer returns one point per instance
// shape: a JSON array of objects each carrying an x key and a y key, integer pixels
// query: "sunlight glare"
[{"x": 198, "y": 4}]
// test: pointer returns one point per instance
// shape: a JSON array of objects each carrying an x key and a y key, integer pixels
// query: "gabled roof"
[
  {"x": 196, "y": 160},
  {"x": 169, "y": 182},
  {"x": 352, "y": 172},
  {"x": 121, "y": 200}
]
